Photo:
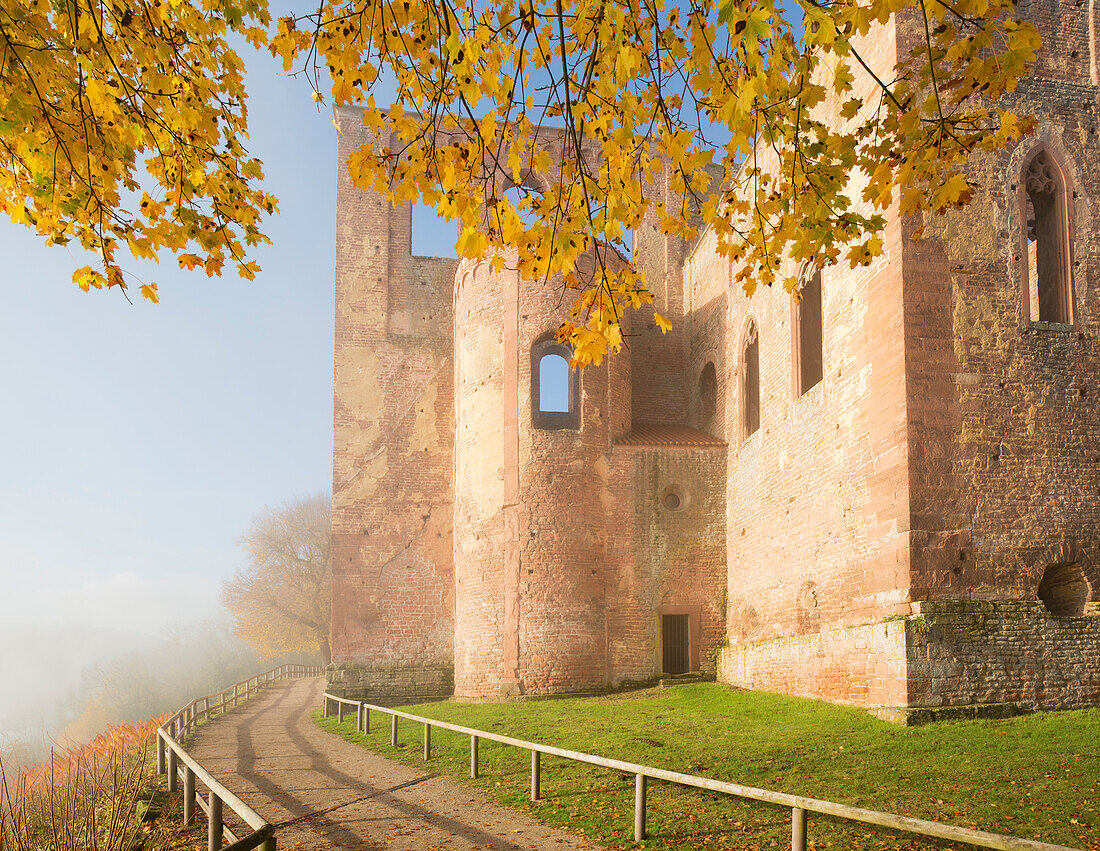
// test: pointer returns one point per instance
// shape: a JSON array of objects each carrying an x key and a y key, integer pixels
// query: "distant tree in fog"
[
  {"x": 282, "y": 601},
  {"x": 191, "y": 660}
]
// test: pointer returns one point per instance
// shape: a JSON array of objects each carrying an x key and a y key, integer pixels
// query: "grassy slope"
[{"x": 1036, "y": 776}]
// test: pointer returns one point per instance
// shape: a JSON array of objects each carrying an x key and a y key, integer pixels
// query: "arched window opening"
[
  {"x": 553, "y": 384},
  {"x": 554, "y": 387},
  {"x": 750, "y": 383},
  {"x": 1064, "y": 590},
  {"x": 809, "y": 341},
  {"x": 708, "y": 396},
  {"x": 1046, "y": 228}
]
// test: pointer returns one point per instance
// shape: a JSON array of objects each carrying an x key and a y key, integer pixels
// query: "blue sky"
[{"x": 136, "y": 441}]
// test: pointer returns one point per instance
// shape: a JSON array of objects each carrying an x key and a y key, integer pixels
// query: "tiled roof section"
[{"x": 657, "y": 434}]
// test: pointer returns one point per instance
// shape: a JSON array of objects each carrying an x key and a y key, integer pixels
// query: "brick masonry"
[{"x": 881, "y": 538}]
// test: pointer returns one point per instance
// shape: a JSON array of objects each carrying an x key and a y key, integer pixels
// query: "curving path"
[{"x": 329, "y": 793}]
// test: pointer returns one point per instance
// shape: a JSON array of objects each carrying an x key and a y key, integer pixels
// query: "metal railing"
[
  {"x": 173, "y": 760},
  {"x": 798, "y": 804}
]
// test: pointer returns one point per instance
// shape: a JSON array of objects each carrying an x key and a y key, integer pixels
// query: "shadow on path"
[{"x": 311, "y": 784}]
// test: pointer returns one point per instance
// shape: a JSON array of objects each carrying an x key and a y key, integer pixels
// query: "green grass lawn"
[{"x": 1036, "y": 776}]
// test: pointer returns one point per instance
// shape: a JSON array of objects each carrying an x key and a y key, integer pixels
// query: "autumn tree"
[
  {"x": 282, "y": 601},
  {"x": 121, "y": 126},
  {"x": 779, "y": 126},
  {"x": 122, "y": 129}
]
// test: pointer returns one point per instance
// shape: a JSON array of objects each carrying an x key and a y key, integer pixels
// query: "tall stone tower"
[
  {"x": 393, "y": 440},
  {"x": 530, "y": 543}
]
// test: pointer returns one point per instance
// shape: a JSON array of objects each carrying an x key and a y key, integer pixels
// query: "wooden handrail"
[
  {"x": 174, "y": 760},
  {"x": 798, "y": 804}
]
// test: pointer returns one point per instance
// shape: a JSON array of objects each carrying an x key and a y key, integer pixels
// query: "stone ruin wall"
[
  {"x": 817, "y": 498},
  {"x": 560, "y": 587},
  {"x": 817, "y": 533},
  {"x": 1004, "y": 421},
  {"x": 884, "y": 534},
  {"x": 393, "y": 436},
  {"x": 665, "y": 561}
]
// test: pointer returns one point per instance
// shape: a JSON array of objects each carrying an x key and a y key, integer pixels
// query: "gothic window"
[
  {"x": 808, "y": 341},
  {"x": 750, "y": 382},
  {"x": 1046, "y": 229},
  {"x": 554, "y": 389}
]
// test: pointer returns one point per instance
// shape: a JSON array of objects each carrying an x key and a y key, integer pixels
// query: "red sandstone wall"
[
  {"x": 563, "y": 494},
  {"x": 657, "y": 391},
  {"x": 663, "y": 561},
  {"x": 865, "y": 664},
  {"x": 529, "y": 511},
  {"x": 817, "y": 499},
  {"x": 392, "y": 450},
  {"x": 480, "y": 487}
]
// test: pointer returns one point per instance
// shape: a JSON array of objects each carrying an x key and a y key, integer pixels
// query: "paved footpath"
[{"x": 329, "y": 793}]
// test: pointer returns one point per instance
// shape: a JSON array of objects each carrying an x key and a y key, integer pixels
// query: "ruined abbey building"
[{"x": 886, "y": 495}]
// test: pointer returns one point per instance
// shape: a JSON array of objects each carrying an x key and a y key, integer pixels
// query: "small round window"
[{"x": 673, "y": 498}]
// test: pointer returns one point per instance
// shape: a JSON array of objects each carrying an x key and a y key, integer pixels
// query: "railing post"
[
  {"x": 798, "y": 829},
  {"x": 427, "y": 741},
  {"x": 173, "y": 771},
  {"x": 188, "y": 795},
  {"x": 393, "y": 731},
  {"x": 324, "y": 706},
  {"x": 214, "y": 823},
  {"x": 161, "y": 768},
  {"x": 339, "y": 712},
  {"x": 268, "y": 844},
  {"x": 473, "y": 757},
  {"x": 366, "y": 719},
  {"x": 359, "y": 717},
  {"x": 536, "y": 775},
  {"x": 639, "y": 807}
]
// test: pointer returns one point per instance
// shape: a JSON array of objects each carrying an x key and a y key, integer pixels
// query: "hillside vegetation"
[
  {"x": 102, "y": 796},
  {"x": 1036, "y": 776}
]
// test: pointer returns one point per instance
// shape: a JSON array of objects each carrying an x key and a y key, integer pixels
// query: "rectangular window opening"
[{"x": 810, "y": 340}]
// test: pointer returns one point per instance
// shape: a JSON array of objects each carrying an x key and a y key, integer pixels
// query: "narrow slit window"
[
  {"x": 1046, "y": 230},
  {"x": 809, "y": 357},
  {"x": 750, "y": 383},
  {"x": 708, "y": 396}
]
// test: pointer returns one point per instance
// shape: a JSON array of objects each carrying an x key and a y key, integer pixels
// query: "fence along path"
[
  {"x": 174, "y": 760},
  {"x": 800, "y": 806},
  {"x": 322, "y": 792}
]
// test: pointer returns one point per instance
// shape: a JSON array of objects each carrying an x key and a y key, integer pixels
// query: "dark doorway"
[{"x": 674, "y": 644}]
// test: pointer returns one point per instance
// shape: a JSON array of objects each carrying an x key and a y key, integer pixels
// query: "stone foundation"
[
  {"x": 978, "y": 652},
  {"x": 864, "y": 664},
  {"x": 391, "y": 685},
  {"x": 955, "y": 659}
]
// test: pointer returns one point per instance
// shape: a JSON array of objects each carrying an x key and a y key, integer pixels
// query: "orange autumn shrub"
[{"x": 84, "y": 798}]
